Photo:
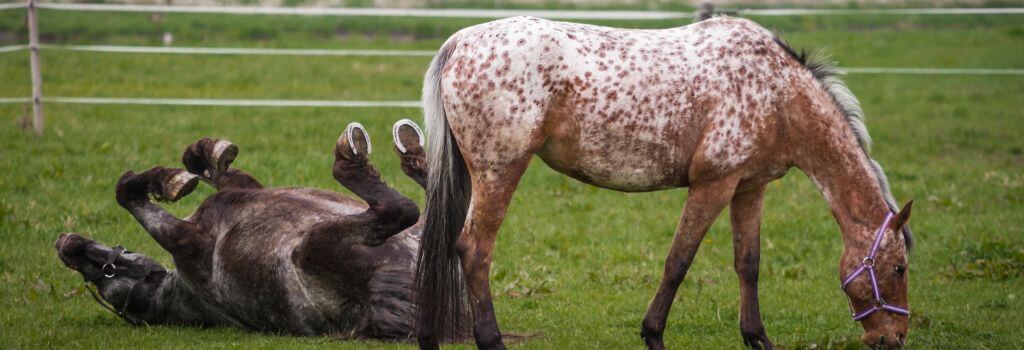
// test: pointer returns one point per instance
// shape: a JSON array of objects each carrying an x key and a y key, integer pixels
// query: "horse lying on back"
[{"x": 285, "y": 260}]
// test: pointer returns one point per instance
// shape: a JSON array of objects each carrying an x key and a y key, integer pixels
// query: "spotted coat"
[{"x": 659, "y": 97}]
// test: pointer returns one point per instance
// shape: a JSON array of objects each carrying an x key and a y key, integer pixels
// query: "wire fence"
[
  {"x": 502, "y": 13},
  {"x": 396, "y": 12},
  {"x": 428, "y": 53}
]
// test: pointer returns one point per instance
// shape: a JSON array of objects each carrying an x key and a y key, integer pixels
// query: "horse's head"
[
  {"x": 124, "y": 279},
  {"x": 874, "y": 277}
]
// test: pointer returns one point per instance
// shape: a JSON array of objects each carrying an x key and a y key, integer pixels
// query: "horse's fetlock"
[
  {"x": 651, "y": 336},
  {"x": 651, "y": 328},
  {"x": 488, "y": 340},
  {"x": 751, "y": 330}
]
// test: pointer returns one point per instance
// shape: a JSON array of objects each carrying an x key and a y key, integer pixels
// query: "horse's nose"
[
  {"x": 61, "y": 241},
  {"x": 892, "y": 342}
]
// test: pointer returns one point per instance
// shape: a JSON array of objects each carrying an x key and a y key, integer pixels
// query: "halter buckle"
[
  {"x": 868, "y": 261},
  {"x": 109, "y": 270}
]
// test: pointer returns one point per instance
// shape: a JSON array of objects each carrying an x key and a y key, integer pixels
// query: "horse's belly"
[
  {"x": 614, "y": 157},
  {"x": 254, "y": 277}
]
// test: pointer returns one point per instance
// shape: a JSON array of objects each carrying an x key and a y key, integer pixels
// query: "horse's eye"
[{"x": 900, "y": 269}]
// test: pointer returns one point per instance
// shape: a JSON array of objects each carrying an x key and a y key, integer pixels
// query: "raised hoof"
[
  {"x": 209, "y": 157},
  {"x": 178, "y": 184},
  {"x": 353, "y": 143},
  {"x": 408, "y": 137},
  {"x": 223, "y": 153}
]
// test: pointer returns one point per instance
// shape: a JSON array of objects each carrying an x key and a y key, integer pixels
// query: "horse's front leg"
[
  {"x": 133, "y": 192},
  {"x": 706, "y": 200},
  {"x": 745, "y": 213}
]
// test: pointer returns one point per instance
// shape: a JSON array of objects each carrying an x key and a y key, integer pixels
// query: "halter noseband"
[
  {"x": 868, "y": 264},
  {"x": 110, "y": 271}
]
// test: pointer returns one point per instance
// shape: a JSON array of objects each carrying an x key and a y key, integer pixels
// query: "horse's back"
[{"x": 617, "y": 108}]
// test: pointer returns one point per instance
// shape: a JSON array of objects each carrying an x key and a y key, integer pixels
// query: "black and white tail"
[{"x": 442, "y": 310}]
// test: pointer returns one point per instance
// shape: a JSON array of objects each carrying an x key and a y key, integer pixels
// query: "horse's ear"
[{"x": 903, "y": 216}]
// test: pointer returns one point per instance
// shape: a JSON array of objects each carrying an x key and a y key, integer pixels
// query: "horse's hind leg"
[
  {"x": 133, "y": 191},
  {"x": 409, "y": 146},
  {"x": 745, "y": 213},
  {"x": 492, "y": 192},
  {"x": 389, "y": 212},
  {"x": 211, "y": 159},
  {"x": 706, "y": 200}
]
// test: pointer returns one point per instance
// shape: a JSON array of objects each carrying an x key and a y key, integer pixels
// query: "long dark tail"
[{"x": 441, "y": 304}]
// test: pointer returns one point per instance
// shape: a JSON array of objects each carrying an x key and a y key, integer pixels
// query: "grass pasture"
[{"x": 577, "y": 263}]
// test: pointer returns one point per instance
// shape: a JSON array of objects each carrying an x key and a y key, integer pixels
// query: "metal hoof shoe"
[
  {"x": 404, "y": 136},
  {"x": 224, "y": 152},
  {"x": 178, "y": 186},
  {"x": 356, "y": 143}
]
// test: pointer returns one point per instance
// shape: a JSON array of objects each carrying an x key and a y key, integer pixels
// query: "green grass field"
[{"x": 574, "y": 262}]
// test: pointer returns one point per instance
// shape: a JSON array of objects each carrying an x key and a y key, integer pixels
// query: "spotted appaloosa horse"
[
  {"x": 296, "y": 261},
  {"x": 721, "y": 106}
]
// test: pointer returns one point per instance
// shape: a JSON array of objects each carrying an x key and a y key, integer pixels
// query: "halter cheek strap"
[
  {"x": 868, "y": 264},
  {"x": 110, "y": 271}
]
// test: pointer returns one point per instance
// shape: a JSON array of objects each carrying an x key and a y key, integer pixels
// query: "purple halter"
[{"x": 868, "y": 264}]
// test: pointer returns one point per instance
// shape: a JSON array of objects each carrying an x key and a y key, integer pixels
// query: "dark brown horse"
[
  {"x": 721, "y": 106},
  {"x": 285, "y": 260}
]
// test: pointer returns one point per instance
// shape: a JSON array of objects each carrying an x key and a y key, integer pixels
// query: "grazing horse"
[
  {"x": 722, "y": 107},
  {"x": 295, "y": 261}
]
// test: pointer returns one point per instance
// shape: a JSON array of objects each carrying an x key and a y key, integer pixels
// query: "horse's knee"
[{"x": 751, "y": 328}]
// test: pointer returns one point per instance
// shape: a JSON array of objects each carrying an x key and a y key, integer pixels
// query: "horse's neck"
[
  {"x": 843, "y": 173},
  {"x": 176, "y": 302}
]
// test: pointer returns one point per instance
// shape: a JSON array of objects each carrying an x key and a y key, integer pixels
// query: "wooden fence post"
[{"x": 37, "y": 78}]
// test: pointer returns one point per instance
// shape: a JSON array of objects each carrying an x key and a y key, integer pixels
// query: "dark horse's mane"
[{"x": 826, "y": 73}]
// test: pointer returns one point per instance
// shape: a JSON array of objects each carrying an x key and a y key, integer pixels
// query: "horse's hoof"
[
  {"x": 353, "y": 143},
  {"x": 221, "y": 156},
  {"x": 179, "y": 184},
  {"x": 408, "y": 137},
  {"x": 209, "y": 157}
]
